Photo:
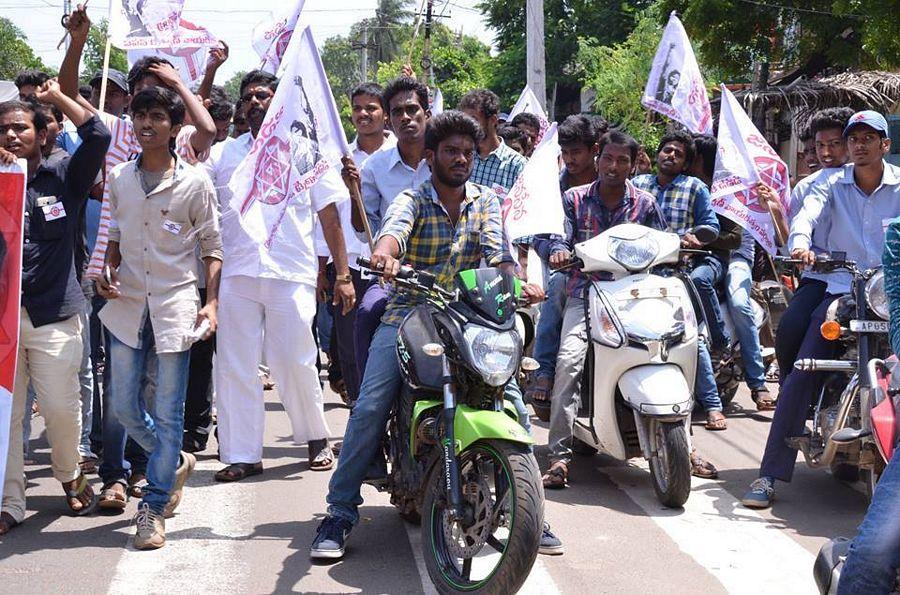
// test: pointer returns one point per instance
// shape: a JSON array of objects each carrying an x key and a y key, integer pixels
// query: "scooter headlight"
[
  {"x": 495, "y": 355},
  {"x": 876, "y": 296},
  {"x": 633, "y": 254}
]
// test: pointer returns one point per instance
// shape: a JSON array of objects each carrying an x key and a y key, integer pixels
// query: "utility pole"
[
  {"x": 426, "y": 51},
  {"x": 67, "y": 9},
  {"x": 535, "y": 75},
  {"x": 364, "y": 56}
]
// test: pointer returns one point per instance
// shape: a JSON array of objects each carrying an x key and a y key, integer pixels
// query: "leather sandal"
[
  {"x": 702, "y": 468},
  {"x": 112, "y": 498},
  {"x": 716, "y": 423},
  {"x": 763, "y": 400},
  {"x": 239, "y": 471},
  {"x": 79, "y": 490},
  {"x": 557, "y": 477}
]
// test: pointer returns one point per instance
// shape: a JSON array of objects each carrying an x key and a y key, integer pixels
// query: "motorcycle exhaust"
[{"x": 825, "y": 365}]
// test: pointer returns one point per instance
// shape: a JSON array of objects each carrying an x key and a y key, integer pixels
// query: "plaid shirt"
[
  {"x": 500, "y": 168},
  {"x": 587, "y": 217},
  {"x": 684, "y": 201},
  {"x": 429, "y": 241}
]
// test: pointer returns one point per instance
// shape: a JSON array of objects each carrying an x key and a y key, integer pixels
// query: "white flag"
[
  {"x": 300, "y": 138},
  {"x": 675, "y": 87},
  {"x": 437, "y": 103},
  {"x": 271, "y": 38},
  {"x": 189, "y": 61},
  {"x": 528, "y": 103},
  {"x": 743, "y": 159},
  {"x": 139, "y": 24},
  {"x": 534, "y": 204}
]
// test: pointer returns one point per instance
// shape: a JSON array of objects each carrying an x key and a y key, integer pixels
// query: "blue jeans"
[
  {"x": 380, "y": 386},
  {"x": 708, "y": 272},
  {"x": 705, "y": 389},
  {"x": 739, "y": 282},
  {"x": 158, "y": 431},
  {"x": 549, "y": 327},
  {"x": 874, "y": 557}
]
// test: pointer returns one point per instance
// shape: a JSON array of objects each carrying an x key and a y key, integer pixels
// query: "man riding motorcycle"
[
  {"x": 852, "y": 210},
  {"x": 446, "y": 225},
  {"x": 589, "y": 210}
]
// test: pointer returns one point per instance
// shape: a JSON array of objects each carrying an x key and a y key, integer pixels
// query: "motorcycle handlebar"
[{"x": 405, "y": 272}]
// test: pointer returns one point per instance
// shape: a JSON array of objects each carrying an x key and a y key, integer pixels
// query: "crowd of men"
[{"x": 137, "y": 272}]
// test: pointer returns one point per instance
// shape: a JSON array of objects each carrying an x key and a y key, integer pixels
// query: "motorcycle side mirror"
[{"x": 705, "y": 234}]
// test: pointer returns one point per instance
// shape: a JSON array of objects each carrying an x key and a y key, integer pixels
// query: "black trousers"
[{"x": 198, "y": 402}]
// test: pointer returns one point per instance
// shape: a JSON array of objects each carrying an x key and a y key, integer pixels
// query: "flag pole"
[
  {"x": 105, "y": 76},
  {"x": 356, "y": 196}
]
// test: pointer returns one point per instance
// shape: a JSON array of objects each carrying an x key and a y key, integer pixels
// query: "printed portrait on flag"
[
  {"x": 141, "y": 24},
  {"x": 669, "y": 78}
]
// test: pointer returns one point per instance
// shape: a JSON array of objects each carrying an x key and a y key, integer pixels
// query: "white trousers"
[{"x": 271, "y": 318}]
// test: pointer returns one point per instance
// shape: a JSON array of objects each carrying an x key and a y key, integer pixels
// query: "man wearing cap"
[{"x": 852, "y": 209}]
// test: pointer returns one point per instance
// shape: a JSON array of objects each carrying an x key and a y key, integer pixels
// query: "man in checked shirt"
[{"x": 446, "y": 225}]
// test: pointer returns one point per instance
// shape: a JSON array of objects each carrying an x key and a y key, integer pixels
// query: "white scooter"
[{"x": 637, "y": 388}]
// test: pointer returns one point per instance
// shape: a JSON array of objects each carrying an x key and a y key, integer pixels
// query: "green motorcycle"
[{"x": 460, "y": 462}]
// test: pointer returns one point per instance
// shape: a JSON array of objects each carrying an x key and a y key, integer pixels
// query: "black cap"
[{"x": 116, "y": 77}]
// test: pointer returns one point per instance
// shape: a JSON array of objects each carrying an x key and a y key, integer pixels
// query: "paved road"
[{"x": 252, "y": 537}]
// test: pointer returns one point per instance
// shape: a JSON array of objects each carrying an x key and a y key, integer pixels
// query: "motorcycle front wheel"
[
  {"x": 493, "y": 551},
  {"x": 670, "y": 464}
]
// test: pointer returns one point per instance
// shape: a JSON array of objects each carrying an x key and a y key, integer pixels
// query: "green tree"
[
  {"x": 92, "y": 59},
  {"x": 15, "y": 53},
  {"x": 386, "y": 33},
  {"x": 814, "y": 34},
  {"x": 565, "y": 21},
  {"x": 341, "y": 63},
  {"x": 233, "y": 85}
]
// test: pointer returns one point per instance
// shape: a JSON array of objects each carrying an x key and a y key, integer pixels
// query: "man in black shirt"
[{"x": 50, "y": 329}]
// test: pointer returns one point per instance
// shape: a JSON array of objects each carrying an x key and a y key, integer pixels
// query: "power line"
[{"x": 797, "y": 9}]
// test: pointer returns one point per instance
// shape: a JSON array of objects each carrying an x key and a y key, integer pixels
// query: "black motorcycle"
[{"x": 460, "y": 462}]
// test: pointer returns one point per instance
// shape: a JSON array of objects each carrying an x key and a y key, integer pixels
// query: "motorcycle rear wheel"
[
  {"x": 502, "y": 482},
  {"x": 670, "y": 465}
]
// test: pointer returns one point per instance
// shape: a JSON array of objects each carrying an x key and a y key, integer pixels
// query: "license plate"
[{"x": 869, "y": 326}]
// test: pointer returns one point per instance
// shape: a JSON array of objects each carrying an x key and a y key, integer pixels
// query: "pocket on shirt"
[
  {"x": 174, "y": 235},
  {"x": 42, "y": 230}
]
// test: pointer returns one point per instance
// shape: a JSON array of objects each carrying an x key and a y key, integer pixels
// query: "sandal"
[
  {"x": 136, "y": 484},
  {"x": 323, "y": 461},
  {"x": 82, "y": 494},
  {"x": 113, "y": 496},
  {"x": 702, "y": 468},
  {"x": 557, "y": 477},
  {"x": 7, "y": 523},
  {"x": 762, "y": 399},
  {"x": 538, "y": 394},
  {"x": 239, "y": 471},
  {"x": 716, "y": 423},
  {"x": 88, "y": 464}
]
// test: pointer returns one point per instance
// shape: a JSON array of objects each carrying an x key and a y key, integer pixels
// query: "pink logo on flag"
[{"x": 273, "y": 170}]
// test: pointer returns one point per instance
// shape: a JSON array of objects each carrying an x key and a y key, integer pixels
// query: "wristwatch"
[{"x": 345, "y": 278}]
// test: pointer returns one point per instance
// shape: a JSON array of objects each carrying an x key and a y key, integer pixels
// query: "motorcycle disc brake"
[{"x": 466, "y": 542}]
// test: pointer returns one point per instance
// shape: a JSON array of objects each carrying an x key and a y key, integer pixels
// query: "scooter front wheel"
[{"x": 670, "y": 464}]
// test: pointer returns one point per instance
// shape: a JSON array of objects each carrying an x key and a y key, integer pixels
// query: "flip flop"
[
  {"x": 702, "y": 468},
  {"x": 716, "y": 425},
  {"x": 112, "y": 499},
  {"x": 557, "y": 477},
  {"x": 82, "y": 487},
  {"x": 763, "y": 403}
]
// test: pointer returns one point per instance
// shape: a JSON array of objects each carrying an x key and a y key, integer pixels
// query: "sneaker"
[
  {"x": 330, "y": 538},
  {"x": 151, "y": 529},
  {"x": 550, "y": 543},
  {"x": 185, "y": 468},
  {"x": 761, "y": 494}
]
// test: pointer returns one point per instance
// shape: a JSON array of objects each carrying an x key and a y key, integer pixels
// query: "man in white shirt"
[
  {"x": 369, "y": 118},
  {"x": 267, "y": 302},
  {"x": 385, "y": 175}
]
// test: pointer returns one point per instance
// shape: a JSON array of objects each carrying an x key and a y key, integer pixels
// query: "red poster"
[{"x": 12, "y": 209}]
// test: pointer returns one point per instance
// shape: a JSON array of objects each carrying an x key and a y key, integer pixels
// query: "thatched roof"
[{"x": 875, "y": 90}]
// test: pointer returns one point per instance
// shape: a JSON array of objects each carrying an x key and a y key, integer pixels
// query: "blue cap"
[{"x": 869, "y": 118}]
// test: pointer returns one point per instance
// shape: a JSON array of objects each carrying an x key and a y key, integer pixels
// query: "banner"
[
  {"x": 141, "y": 24},
  {"x": 437, "y": 103},
  {"x": 12, "y": 210},
  {"x": 675, "y": 87},
  {"x": 528, "y": 103},
  {"x": 534, "y": 204},
  {"x": 189, "y": 61},
  {"x": 743, "y": 159},
  {"x": 300, "y": 138},
  {"x": 271, "y": 38}
]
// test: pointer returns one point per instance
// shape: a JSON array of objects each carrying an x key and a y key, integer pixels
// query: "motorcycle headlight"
[
  {"x": 494, "y": 354},
  {"x": 634, "y": 255},
  {"x": 876, "y": 297}
]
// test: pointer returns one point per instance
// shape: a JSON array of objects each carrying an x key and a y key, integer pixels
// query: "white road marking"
[
  {"x": 745, "y": 552},
  {"x": 539, "y": 582},
  {"x": 207, "y": 529}
]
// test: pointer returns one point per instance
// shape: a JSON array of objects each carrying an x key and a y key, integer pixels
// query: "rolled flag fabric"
[
  {"x": 528, "y": 103},
  {"x": 675, "y": 87},
  {"x": 189, "y": 61},
  {"x": 138, "y": 24},
  {"x": 743, "y": 159},
  {"x": 534, "y": 204},
  {"x": 12, "y": 214},
  {"x": 300, "y": 138},
  {"x": 271, "y": 38},
  {"x": 437, "y": 103}
]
